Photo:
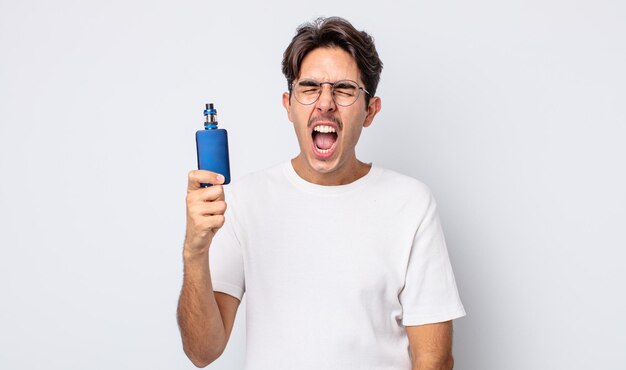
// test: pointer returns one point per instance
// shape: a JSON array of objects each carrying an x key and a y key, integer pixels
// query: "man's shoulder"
[{"x": 398, "y": 182}]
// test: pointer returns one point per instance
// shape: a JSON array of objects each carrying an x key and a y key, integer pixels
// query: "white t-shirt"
[{"x": 332, "y": 273}]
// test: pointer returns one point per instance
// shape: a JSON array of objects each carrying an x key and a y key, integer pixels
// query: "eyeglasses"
[{"x": 344, "y": 92}]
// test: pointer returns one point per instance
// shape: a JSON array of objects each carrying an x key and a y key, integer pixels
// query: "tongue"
[{"x": 325, "y": 140}]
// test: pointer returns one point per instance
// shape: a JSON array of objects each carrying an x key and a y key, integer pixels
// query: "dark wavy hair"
[{"x": 334, "y": 32}]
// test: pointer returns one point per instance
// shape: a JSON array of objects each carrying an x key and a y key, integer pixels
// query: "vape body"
[{"x": 212, "y": 146}]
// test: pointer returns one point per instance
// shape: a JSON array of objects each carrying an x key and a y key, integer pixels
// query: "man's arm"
[
  {"x": 431, "y": 346},
  {"x": 205, "y": 318}
]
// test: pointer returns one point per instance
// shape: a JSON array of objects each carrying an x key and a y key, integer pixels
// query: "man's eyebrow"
[
  {"x": 344, "y": 85},
  {"x": 308, "y": 83}
]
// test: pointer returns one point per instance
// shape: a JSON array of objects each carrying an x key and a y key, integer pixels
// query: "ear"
[
  {"x": 287, "y": 105},
  {"x": 372, "y": 109}
]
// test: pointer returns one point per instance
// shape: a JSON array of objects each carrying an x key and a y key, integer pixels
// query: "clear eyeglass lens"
[{"x": 344, "y": 92}]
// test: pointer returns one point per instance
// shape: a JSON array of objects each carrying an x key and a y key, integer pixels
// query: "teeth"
[
  {"x": 323, "y": 151},
  {"x": 324, "y": 128}
]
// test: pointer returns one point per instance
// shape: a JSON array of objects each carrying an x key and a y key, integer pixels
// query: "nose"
[{"x": 326, "y": 103}]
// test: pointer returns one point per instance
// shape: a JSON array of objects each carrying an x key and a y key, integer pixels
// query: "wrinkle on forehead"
[{"x": 329, "y": 64}]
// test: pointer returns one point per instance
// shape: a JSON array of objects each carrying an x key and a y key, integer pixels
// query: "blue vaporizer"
[{"x": 212, "y": 146}]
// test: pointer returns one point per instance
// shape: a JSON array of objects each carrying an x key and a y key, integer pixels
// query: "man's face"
[{"x": 327, "y": 156}]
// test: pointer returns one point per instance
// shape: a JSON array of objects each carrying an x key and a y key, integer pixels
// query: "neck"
[{"x": 340, "y": 176}]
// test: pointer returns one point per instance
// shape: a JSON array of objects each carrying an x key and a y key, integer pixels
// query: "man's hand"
[
  {"x": 205, "y": 317},
  {"x": 205, "y": 210}
]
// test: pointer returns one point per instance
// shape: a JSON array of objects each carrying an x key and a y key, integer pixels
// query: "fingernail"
[{"x": 220, "y": 179}]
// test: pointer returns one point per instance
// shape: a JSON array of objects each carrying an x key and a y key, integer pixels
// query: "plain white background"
[{"x": 513, "y": 112}]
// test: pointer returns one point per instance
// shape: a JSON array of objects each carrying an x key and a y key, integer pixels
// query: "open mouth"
[{"x": 324, "y": 139}]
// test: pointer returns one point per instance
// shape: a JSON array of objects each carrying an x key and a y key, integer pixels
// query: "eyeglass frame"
[{"x": 332, "y": 89}]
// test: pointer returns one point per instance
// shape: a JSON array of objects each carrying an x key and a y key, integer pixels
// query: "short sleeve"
[
  {"x": 226, "y": 260},
  {"x": 430, "y": 294}
]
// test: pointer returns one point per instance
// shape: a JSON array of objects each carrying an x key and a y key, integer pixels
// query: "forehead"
[{"x": 329, "y": 64}]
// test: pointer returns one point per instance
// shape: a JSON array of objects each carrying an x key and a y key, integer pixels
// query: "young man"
[{"x": 344, "y": 263}]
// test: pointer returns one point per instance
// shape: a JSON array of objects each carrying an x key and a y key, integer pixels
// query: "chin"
[{"x": 323, "y": 166}]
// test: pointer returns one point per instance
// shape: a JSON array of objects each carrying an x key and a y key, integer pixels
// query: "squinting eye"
[
  {"x": 309, "y": 90},
  {"x": 345, "y": 91},
  {"x": 308, "y": 87}
]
